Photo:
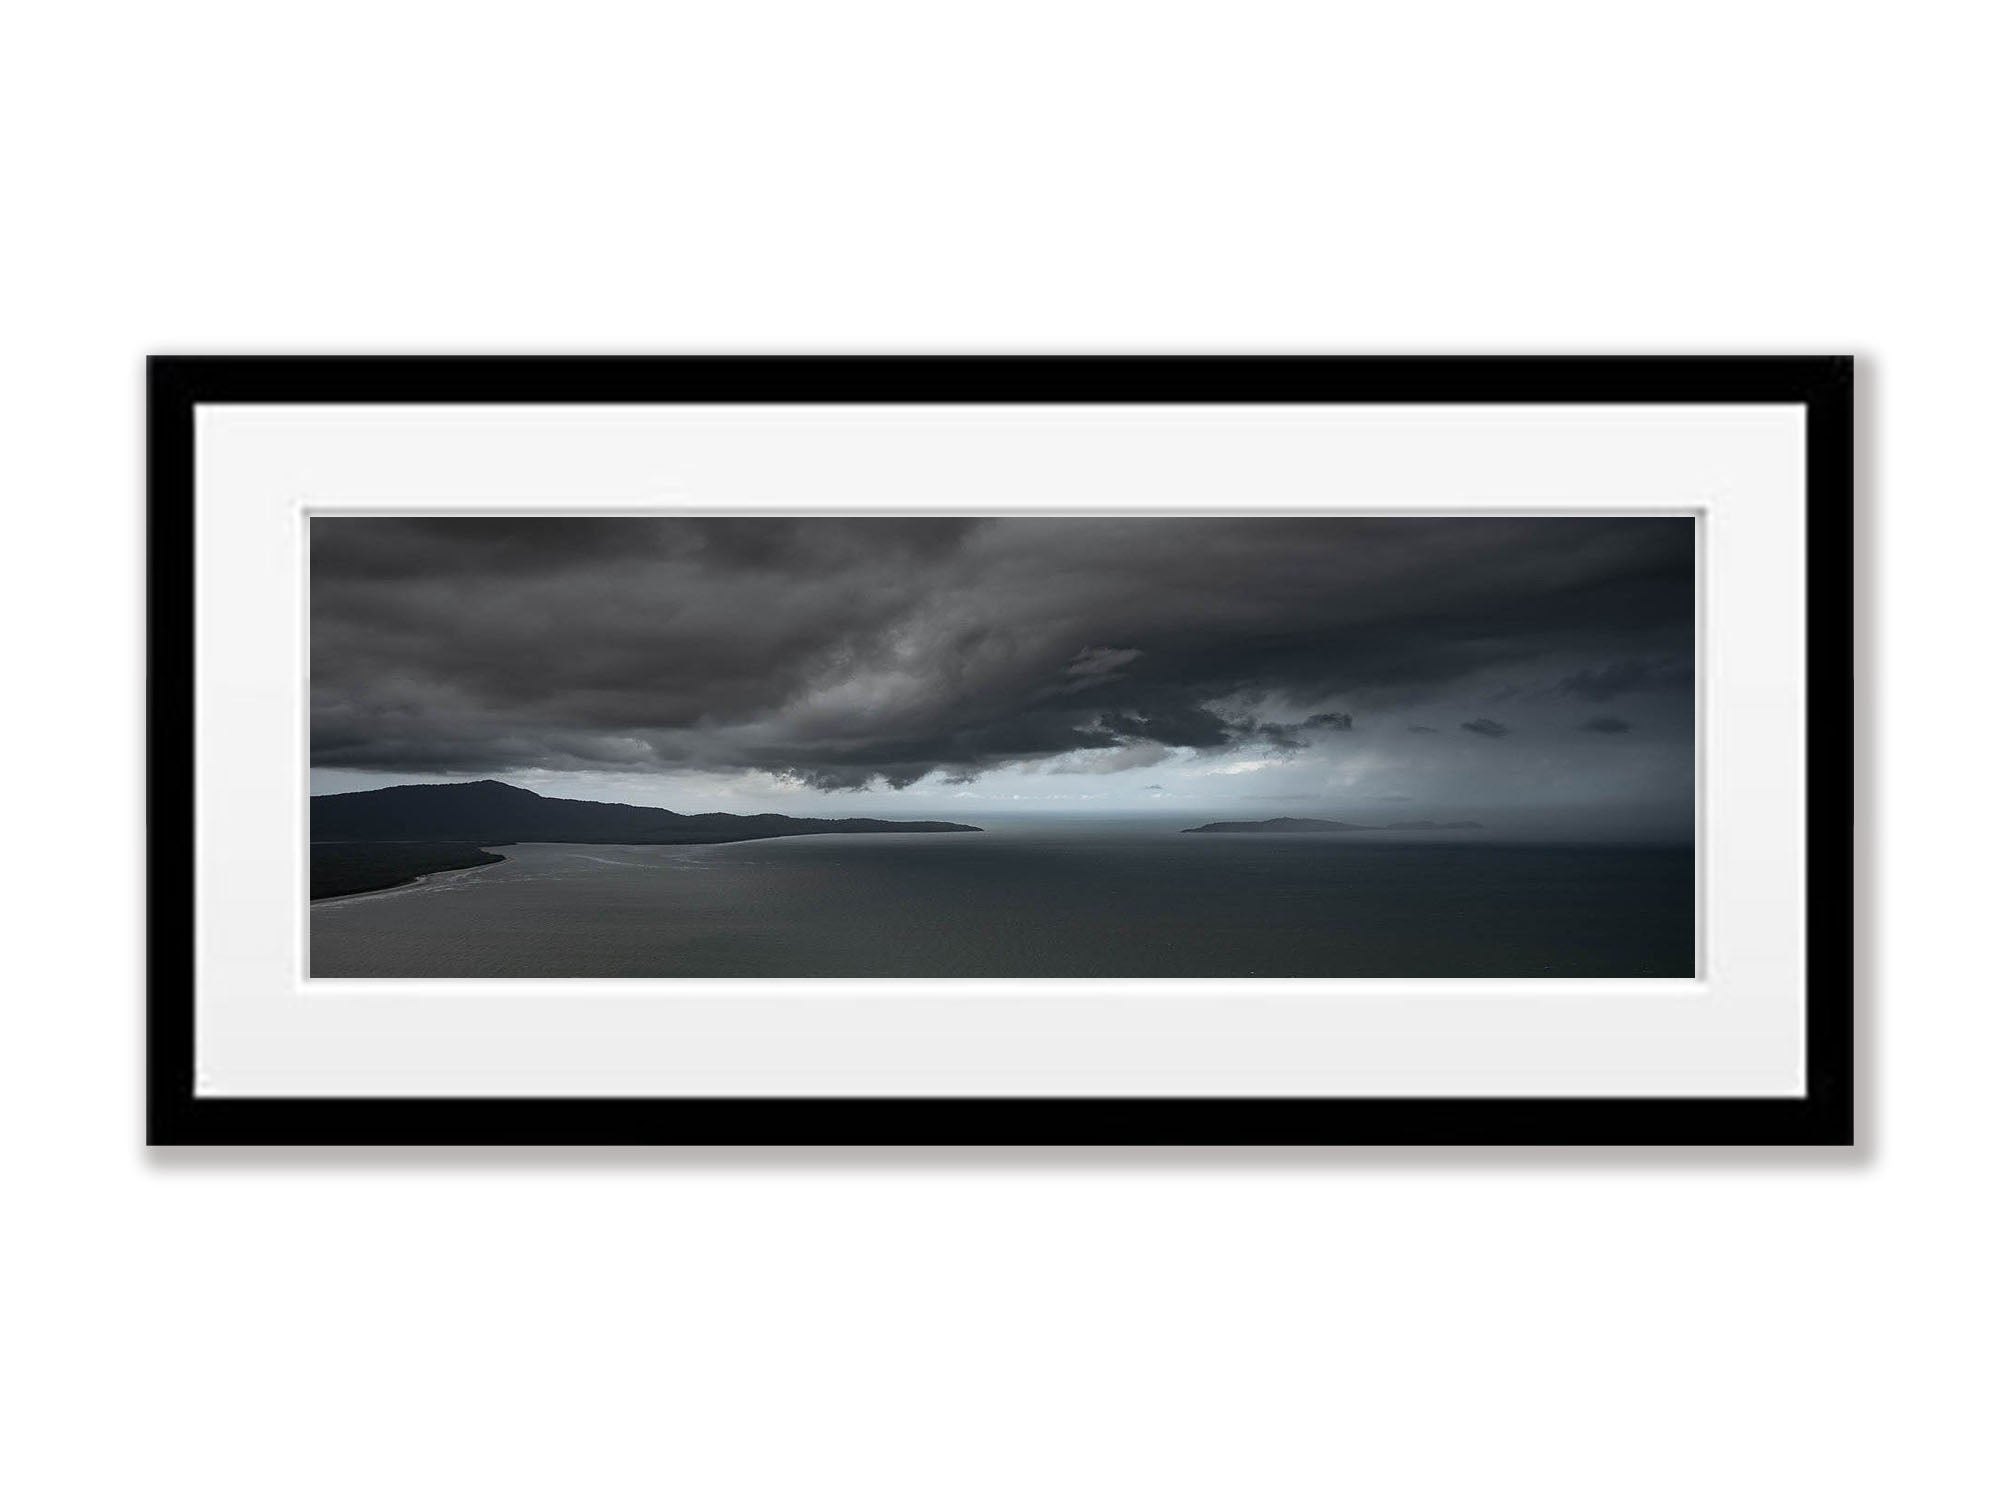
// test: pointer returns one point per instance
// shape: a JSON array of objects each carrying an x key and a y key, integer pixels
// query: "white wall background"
[{"x": 1066, "y": 176}]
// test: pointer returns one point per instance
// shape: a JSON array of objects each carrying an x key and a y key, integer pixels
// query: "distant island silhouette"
[
  {"x": 368, "y": 841},
  {"x": 1325, "y": 825}
]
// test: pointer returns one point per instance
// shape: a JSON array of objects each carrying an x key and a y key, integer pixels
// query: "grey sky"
[{"x": 1537, "y": 674}]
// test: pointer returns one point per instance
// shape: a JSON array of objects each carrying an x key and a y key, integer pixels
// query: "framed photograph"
[{"x": 1015, "y": 751}]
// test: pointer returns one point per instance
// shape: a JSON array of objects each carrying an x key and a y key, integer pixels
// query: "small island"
[
  {"x": 373, "y": 841},
  {"x": 1326, "y": 825}
]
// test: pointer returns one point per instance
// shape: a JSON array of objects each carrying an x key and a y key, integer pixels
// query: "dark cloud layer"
[
  {"x": 1637, "y": 675},
  {"x": 858, "y": 651}
]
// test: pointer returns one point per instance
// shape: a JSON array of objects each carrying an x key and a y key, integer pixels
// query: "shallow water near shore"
[{"x": 1040, "y": 904}]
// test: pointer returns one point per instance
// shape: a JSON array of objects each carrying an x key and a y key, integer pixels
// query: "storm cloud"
[
  {"x": 842, "y": 653},
  {"x": 1615, "y": 679}
]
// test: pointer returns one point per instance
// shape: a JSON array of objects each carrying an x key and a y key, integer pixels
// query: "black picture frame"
[{"x": 1823, "y": 1115}]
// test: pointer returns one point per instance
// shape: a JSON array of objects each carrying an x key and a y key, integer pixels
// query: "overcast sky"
[{"x": 1535, "y": 674}]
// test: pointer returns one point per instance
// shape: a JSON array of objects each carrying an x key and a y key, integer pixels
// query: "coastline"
[
  {"x": 342, "y": 868},
  {"x": 361, "y": 867}
]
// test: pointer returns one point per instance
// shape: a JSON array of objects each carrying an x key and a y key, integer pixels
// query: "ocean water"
[{"x": 1062, "y": 903}]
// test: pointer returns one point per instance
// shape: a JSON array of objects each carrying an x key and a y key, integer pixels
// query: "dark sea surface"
[{"x": 1040, "y": 903}]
